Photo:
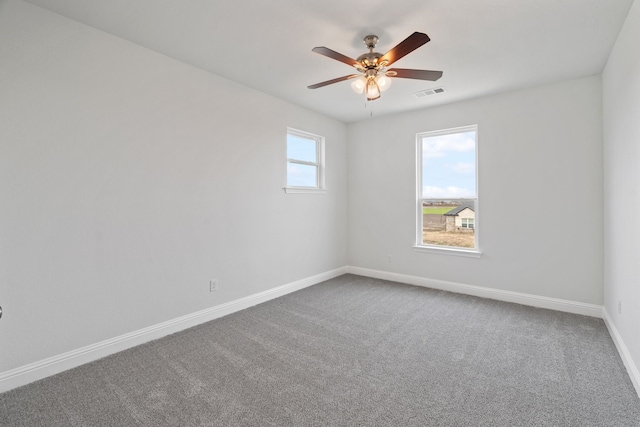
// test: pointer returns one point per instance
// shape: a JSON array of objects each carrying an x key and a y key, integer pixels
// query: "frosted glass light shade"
[
  {"x": 373, "y": 91},
  {"x": 383, "y": 82},
  {"x": 358, "y": 85}
]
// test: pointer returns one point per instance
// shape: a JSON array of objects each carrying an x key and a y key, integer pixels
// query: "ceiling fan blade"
[
  {"x": 330, "y": 82},
  {"x": 405, "y": 47},
  {"x": 335, "y": 55},
  {"x": 406, "y": 73}
]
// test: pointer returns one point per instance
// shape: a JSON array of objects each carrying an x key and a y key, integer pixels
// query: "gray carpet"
[{"x": 351, "y": 351}]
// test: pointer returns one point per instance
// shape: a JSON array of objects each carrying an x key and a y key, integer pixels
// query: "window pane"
[
  {"x": 301, "y": 148},
  {"x": 302, "y": 175},
  {"x": 448, "y": 223},
  {"x": 449, "y": 166}
]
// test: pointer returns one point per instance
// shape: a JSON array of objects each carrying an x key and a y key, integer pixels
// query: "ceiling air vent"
[{"x": 428, "y": 92}]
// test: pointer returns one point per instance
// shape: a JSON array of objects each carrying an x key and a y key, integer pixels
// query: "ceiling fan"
[{"x": 374, "y": 76}]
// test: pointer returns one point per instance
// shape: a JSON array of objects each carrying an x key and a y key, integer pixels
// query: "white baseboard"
[
  {"x": 44, "y": 368},
  {"x": 479, "y": 291},
  {"x": 632, "y": 369}
]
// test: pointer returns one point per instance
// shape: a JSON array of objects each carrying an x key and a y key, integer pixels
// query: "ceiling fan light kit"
[
  {"x": 374, "y": 77},
  {"x": 371, "y": 85}
]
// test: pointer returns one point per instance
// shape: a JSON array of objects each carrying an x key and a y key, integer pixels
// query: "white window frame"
[
  {"x": 439, "y": 249},
  {"x": 465, "y": 222},
  {"x": 319, "y": 165}
]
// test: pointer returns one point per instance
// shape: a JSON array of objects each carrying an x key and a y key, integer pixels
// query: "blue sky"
[{"x": 449, "y": 166}]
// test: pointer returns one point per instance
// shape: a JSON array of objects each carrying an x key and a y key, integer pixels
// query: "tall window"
[
  {"x": 305, "y": 161},
  {"x": 447, "y": 202}
]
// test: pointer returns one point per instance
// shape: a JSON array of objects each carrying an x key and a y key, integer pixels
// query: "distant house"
[{"x": 460, "y": 218}]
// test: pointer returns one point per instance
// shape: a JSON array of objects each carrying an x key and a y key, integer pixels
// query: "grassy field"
[
  {"x": 442, "y": 238},
  {"x": 436, "y": 210}
]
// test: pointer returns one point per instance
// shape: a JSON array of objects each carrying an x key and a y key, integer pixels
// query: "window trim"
[
  {"x": 320, "y": 164},
  {"x": 438, "y": 249}
]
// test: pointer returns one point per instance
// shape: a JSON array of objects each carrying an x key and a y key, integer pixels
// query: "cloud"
[
  {"x": 451, "y": 192},
  {"x": 439, "y": 146}
]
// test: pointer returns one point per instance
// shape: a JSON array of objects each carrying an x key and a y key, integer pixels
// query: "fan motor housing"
[{"x": 369, "y": 59}]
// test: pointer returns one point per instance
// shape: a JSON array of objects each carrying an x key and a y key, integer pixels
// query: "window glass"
[
  {"x": 301, "y": 175},
  {"x": 301, "y": 149},
  {"x": 447, "y": 188}
]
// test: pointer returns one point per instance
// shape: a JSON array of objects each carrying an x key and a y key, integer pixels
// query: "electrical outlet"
[
  {"x": 619, "y": 307},
  {"x": 213, "y": 285},
  {"x": 389, "y": 258}
]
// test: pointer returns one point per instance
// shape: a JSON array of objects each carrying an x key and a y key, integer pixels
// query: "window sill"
[
  {"x": 301, "y": 190},
  {"x": 469, "y": 253}
]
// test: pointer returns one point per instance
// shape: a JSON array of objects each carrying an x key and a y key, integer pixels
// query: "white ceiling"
[{"x": 482, "y": 47}]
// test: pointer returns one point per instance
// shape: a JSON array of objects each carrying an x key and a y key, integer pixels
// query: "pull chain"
[{"x": 366, "y": 104}]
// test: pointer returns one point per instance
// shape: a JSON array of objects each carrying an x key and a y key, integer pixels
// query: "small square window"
[{"x": 305, "y": 162}]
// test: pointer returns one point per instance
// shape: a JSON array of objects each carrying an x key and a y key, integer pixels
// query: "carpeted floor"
[{"x": 351, "y": 351}]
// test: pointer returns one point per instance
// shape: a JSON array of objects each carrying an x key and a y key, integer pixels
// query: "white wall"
[
  {"x": 540, "y": 162},
  {"x": 129, "y": 179},
  {"x": 621, "y": 112}
]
